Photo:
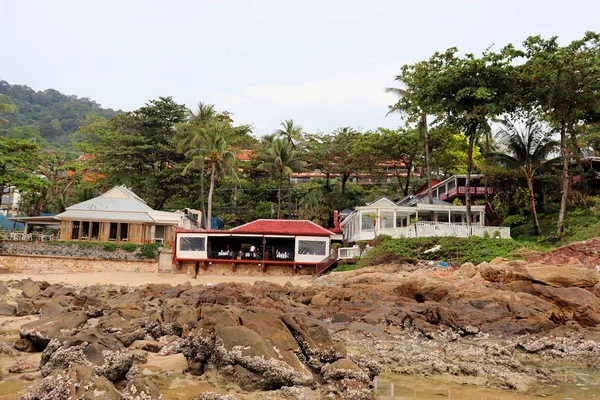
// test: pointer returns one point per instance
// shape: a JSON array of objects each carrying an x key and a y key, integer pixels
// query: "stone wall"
[
  {"x": 188, "y": 267},
  {"x": 66, "y": 250},
  {"x": 59, "y": 264}
]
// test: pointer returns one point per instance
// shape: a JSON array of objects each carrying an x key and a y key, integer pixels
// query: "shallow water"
[{"x": 400, "y": 387}]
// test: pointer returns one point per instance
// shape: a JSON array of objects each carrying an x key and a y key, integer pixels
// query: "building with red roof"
[{"x": 261, "y": 243}]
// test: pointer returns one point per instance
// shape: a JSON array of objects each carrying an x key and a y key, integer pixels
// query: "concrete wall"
[
  {"x": 66, "y": 250},
  {"x": 58, "y": 264},
  {"x": 188, "y": 267}
]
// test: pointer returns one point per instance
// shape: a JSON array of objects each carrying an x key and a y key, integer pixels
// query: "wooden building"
[{"x": 118, "y": 215}]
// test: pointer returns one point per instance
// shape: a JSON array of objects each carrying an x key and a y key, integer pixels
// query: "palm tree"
[
  {"x": 290, "y": 131},
  {"x": 193, "y": 135},
  {"x": 528, "y": 147},
  {"x": 282, "y": 159},
  {"x": 211, "y": 145},
  {"x": 204, "y": 114}
]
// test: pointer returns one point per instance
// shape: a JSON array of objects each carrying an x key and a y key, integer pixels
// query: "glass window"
[
  {"x": 387, "y": 219},
  {"x": 366, "y": 222},
  {"x": 191, "y": 243},
  {"x": 312, "y": 247}
]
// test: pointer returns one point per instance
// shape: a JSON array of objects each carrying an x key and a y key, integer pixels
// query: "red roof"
[
  {"x": 424, "y": 187},
  {"x": 288, "y": 227}
]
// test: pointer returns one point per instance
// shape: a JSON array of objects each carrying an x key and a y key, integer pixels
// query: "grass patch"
[
  {"x": 345, "y": 267},
  {"x": 452, "y": 249},
  {"x": 580, "y": 224}
]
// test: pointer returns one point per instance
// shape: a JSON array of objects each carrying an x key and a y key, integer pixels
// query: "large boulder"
[
  {"x": 7, "y": 309},
  {"x": 563, "y": 276},
  {"x": 30, "y": 288},
  {"x": 78, "y": 382},
  {"x": 40, "y": 332},
  {"x": 103, "y": 353}
]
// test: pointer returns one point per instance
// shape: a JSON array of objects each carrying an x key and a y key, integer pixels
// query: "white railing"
[
  {"x": 438, "y": 229},
  {"x": 348, "y": 253},
  {"x": 26, "y": 237}
]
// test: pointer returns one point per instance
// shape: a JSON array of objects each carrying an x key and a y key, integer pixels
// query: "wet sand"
[{"x": 143, "y": 278}]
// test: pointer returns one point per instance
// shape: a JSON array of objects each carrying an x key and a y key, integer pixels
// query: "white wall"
[
  {"x": 192, "y": 254},
  {"x": 310, "y": 257}
]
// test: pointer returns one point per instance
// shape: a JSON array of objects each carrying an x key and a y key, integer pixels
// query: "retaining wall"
[
  {"x": 188, "y": 267},
  {"x": 62, "y": 264}
]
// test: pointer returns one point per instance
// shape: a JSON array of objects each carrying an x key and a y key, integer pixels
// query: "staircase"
[
  {"x": 491, "y": 217},
  {"x": 326, "y": 263}
]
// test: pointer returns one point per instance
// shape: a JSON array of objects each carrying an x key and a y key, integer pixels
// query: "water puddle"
[{"x": 413, "y": 387}]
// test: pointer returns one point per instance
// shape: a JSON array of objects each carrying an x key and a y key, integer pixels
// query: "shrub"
[
  {"x": 457, "y": 250},
  {"x": 148, "y": 250},
  {"x": 335, "y": 246},
  {"x": 109, "y": 246},
  {"x": 129, "y": 247},
  {"x": 515, "y": 220}
]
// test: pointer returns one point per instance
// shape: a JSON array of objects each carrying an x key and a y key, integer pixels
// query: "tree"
[
  {"x": 397, "y": 149},
  {"x": 282, "y": 159},
  {"x": 562, "y": 83},
  {"x": 527, "y": 150},
  {"x": 348, "y": 156},
  {"x": 214, "y": 148},
  {"x": 138, "y": 149},
  {"x": 19, "y": 160},
  {"x": 464, "y": 92},
  {"x": 413, "y": 100},
  {"x": 53, "y": 178},
  {"x": 5, "y": 108},
  {"x": 290, "y": 131}
]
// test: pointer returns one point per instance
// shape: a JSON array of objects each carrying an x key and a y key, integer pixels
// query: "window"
[
  {"x": 312, "y": 247},
  {"x": 113, "y": 231},
  {"x": 366, "y": 223},
  {"x": 191, "y": 243},
  {"x": 124, "y": 232},
  {"x": 386, "y": 219}
]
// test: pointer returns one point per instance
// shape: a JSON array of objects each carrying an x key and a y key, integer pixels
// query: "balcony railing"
[
  {"x": 284, "y": 256},
  {"x": 443, "y": 229},
  {"x": 26, "y": 237}
]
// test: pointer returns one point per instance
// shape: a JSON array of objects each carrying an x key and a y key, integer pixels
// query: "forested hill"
[{"x": 48, "y": 116}]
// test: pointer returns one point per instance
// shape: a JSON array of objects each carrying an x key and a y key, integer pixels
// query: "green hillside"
[{"x": 48, "y": 116}]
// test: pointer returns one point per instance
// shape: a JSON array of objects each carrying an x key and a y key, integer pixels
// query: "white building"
[{"x": 421, "y": 219}]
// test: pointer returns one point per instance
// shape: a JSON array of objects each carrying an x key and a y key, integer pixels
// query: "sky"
[{"x": 324, "y": 63}]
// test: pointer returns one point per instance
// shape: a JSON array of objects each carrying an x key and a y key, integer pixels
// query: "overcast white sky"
[{"x": 323, "y": 63}]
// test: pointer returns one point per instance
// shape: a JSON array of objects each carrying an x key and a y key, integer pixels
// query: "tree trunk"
[
  {"x": 488, "y": 149},
  {"x": 210, "y": 196},
  {"x": 327, "y": 177},
  {"x": 564, "y": 178},
  {"x": 202, "y": 200},
  {"x": 427, "y": 158},
  {"x": 279, "y": 197},
  {"x": 536, "y": 224},
  {"x": 408, "y": 173},
  {"x": 345, "y": 178},
  {"x": 290, "y": 197},
  {"x": 468, "y": 178}
]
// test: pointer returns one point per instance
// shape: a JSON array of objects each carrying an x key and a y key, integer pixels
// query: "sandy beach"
[{"x": 143, "y": 278}]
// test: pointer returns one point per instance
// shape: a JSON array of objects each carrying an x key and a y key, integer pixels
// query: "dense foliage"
[{"x": 48, "y": 116}]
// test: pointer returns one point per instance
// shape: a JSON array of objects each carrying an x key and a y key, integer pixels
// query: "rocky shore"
[{"x": 509, "y": 325}]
